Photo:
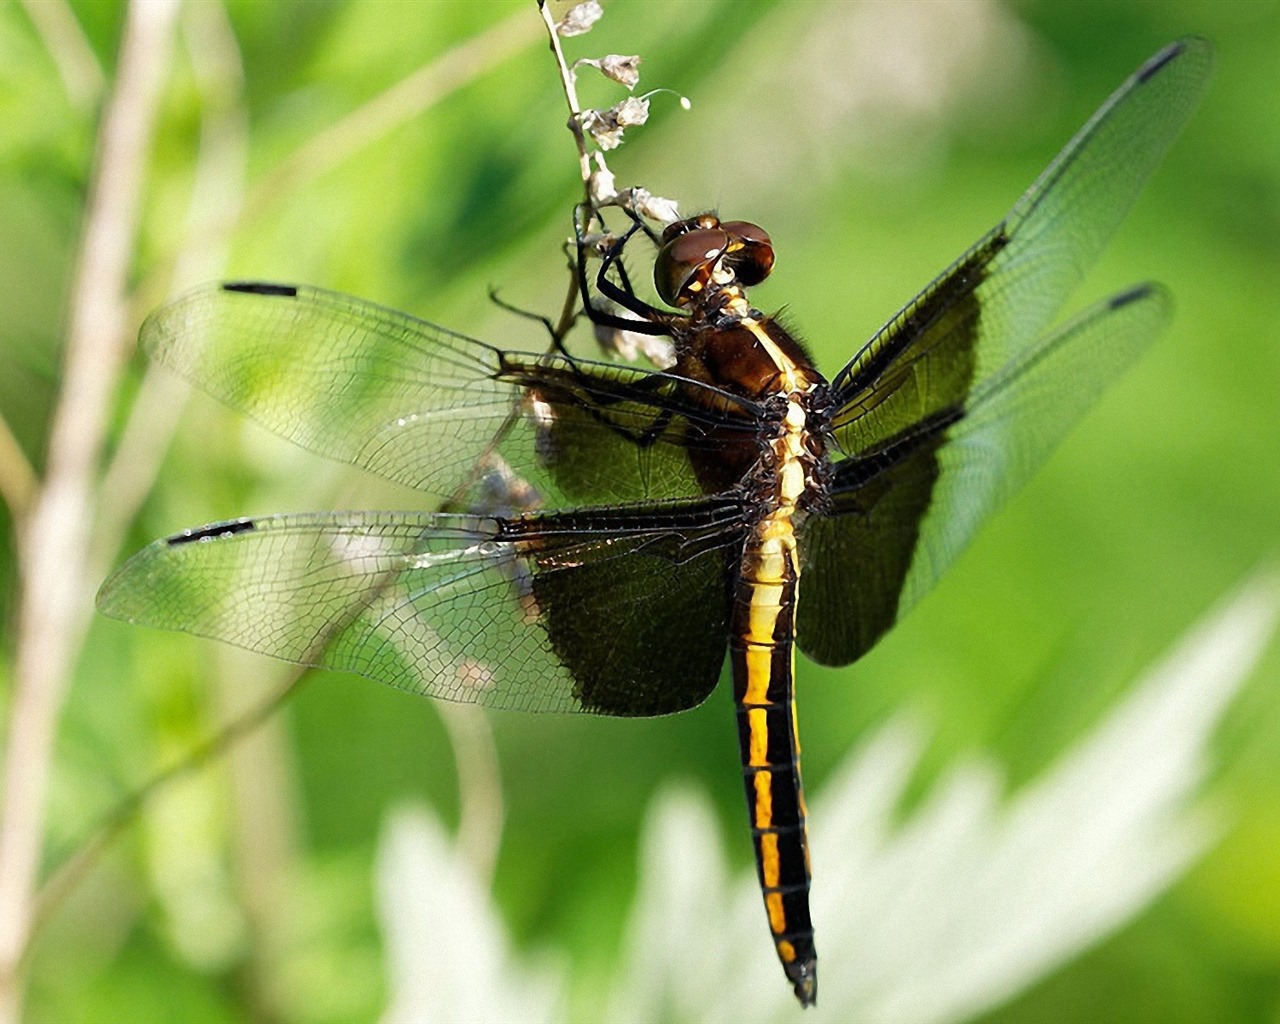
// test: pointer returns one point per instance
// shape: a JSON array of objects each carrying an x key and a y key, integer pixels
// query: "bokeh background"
[{"x": 875, "y": 141}]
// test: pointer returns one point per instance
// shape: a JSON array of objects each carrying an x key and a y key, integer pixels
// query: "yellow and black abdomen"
[{"x": 761, "y": 653}]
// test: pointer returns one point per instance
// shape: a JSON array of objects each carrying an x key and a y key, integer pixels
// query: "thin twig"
[
  {"x": 599, "y": 186},
  {"x": 64, "y": 879},
  {"x": 77, "y": 64},
  {"x": 568, "y": 83},
  {"x": 217, "y": 191},
  {"x": 54, "y": 600}
]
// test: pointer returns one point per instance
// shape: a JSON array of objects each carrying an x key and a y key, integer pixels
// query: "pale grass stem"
[{"x": 54, "y": 596}]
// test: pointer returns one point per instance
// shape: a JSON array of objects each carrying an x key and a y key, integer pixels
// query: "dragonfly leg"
[{"x": 651, "y": 320}]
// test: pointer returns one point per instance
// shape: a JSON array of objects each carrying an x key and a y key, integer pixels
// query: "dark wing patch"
[
  {"x": 899, "y": 516},
  {"x": 856, "y": 559},
  {"x": 996, "y": 301},
  {"x": 422, "y": 405},
  {"x": 925, "y": 414},
  {"x": 609, "y": 611}
]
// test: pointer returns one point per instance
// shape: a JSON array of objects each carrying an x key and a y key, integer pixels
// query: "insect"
[{"x": 739, "y": 503}]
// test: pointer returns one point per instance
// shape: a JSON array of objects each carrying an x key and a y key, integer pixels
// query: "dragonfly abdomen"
[{"x": 762, "y": 656}]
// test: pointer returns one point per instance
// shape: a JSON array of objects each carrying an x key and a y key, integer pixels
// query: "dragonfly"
[{"x": 735, "y": 506}]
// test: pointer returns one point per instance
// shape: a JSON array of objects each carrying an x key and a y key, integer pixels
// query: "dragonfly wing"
[
  {"x": 899, "y": 516},
  {"x": 544, "y": 612},
  {"x": 422, "y": 405},
  {"x": 997, "y": 300},
  {"x": 948, "y": 408}
]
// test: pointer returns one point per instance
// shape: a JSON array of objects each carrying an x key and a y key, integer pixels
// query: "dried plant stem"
[
  {"x": 53, "y": 552},
  {"x": 69, "y": 873},
  {"x": 570, "y": 95},
  {"x": 217, "y": 193}
]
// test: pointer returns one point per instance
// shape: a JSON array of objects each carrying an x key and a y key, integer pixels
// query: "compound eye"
[
  {"x": 685, "y": 263},
  {"x": 746, "y": 231},
  {"x": 750, "y": 253},
  {"x": 680, "y": 227}
]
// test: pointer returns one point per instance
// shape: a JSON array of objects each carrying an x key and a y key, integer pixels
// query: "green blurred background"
[{"x": 875, "y": 142}]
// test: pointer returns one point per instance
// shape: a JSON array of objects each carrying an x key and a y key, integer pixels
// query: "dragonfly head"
[{"x": 701, "y": 255}]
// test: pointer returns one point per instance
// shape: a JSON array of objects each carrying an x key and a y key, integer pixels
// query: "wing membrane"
[
  {"x": 556, "y": 612},
  {"x": 420, "y": 405},
  {"x": 994, "y": 303},
  {"x": 900, "y": 515}
]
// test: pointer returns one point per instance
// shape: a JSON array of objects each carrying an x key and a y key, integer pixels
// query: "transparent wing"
[
  {"x": 899, "y": 516},
  {"x": 422, "y": 405},
  {"x": 607, "y": 611},
  {"x": 996, "y": 301}
]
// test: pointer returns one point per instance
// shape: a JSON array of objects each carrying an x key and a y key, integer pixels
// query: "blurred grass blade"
[{"x": 446, "y": 949}]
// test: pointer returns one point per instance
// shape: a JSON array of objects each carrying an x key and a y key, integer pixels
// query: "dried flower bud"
[
  {"x": 625, "y": 70},
  {"x": 664, "y": 211},
  {"x": 630, "y": 345},
  {"x": 603, "y": 127},
  {"x": 579, "y": 18},
  {"x": 631, "y": 111},
  {"x": 606, "y": 126},
  {"x": 602, "y": 185},
  {"x": 643, "y": 202},
  {"x": 597, "y": 124}
]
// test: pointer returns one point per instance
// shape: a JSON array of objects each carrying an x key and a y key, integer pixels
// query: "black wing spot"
[
  {"x": 1162, "y": 58},
  {"x": 1140, "y": 291},
  {"x": 212, "y": 532},
  {"x": 287, "y": 291}
]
